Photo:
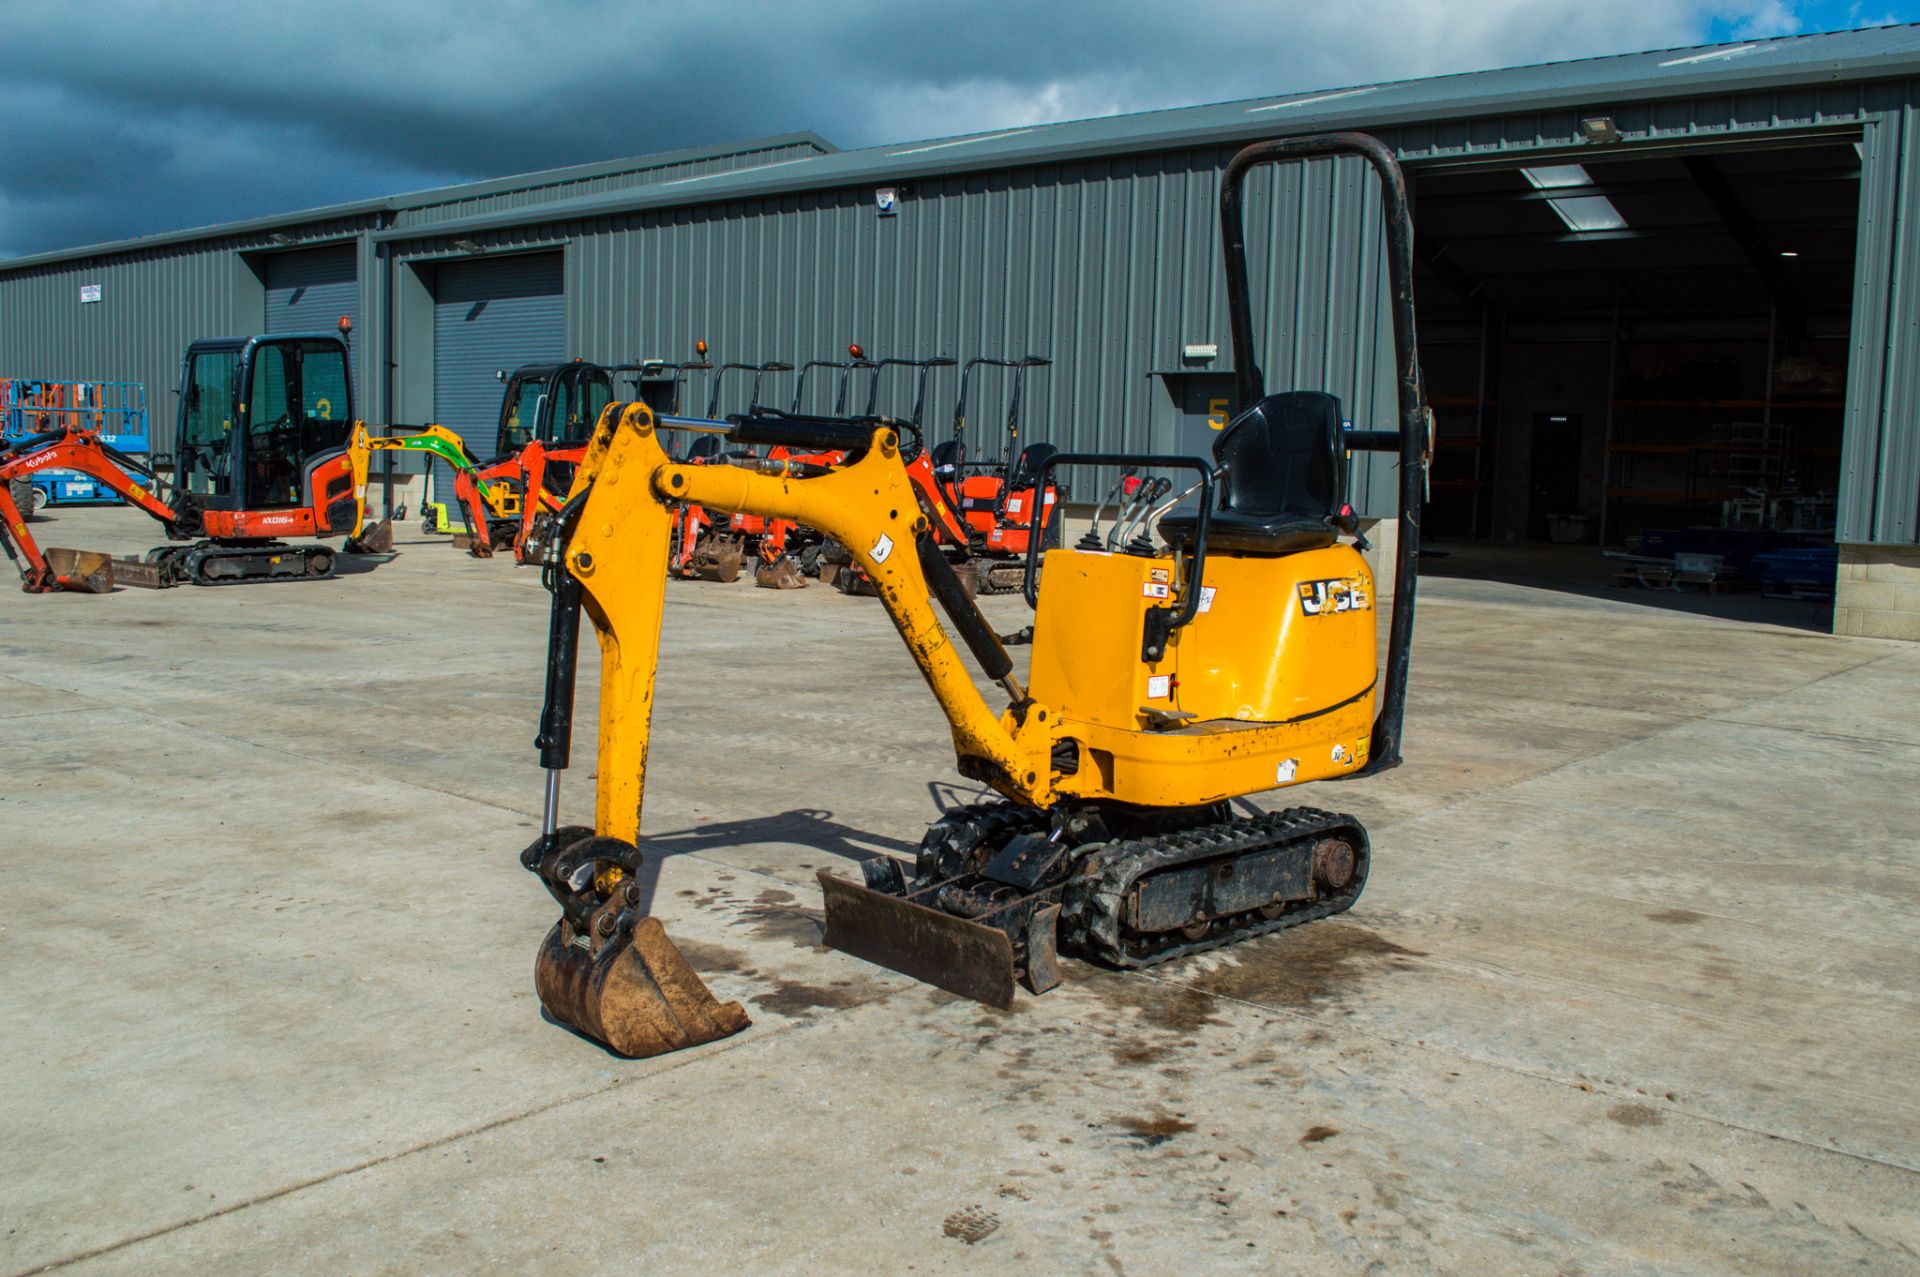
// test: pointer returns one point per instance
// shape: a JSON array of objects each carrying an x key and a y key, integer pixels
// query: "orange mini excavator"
[{"x": 267, "y": 447}]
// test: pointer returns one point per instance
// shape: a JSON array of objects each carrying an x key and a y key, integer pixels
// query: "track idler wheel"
[{"x": 781, "y": 574}]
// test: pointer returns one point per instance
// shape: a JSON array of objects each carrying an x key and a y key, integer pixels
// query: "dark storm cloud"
[{"x": 135, "y": 116}]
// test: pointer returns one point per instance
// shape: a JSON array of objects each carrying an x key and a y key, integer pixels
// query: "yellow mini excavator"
[{"x": 1169, "y": 678}]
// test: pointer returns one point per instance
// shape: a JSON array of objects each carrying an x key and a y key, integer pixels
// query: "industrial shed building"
[{"x": 1657, "y": 290}]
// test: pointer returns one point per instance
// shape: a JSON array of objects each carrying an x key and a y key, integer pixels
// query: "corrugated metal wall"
[
  {"x": 601, "y": 183},
  {"x": 1880, "y": 463},
  {"x": 1108, "y": 266}
]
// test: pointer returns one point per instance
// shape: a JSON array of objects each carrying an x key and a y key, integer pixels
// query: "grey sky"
[{"x": 126, "y": 117}]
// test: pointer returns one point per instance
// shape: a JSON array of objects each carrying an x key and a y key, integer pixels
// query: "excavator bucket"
[
  {"x": 82, "y": 571},
  {"x": 781, "y": 574},
  {"x": 638, "y": 995},
  {"x": 718, "y": 558},
  {"x": 377, "y": 539}
]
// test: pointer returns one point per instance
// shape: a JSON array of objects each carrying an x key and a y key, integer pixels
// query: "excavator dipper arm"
[
  {"x": 80, "y": 450},
  {"x": 607, "y": 970}
]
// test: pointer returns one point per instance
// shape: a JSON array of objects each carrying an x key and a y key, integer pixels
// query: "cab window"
[
  {"x": 273, "y": 428},
  {"x": 207, "y": 436},
  {"x": 520, "y": 414},
  {"x": 592, "y": 394},
  {"x": 297, "y": 407}
]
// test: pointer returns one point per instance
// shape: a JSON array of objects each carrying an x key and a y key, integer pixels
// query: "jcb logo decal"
[{"x": 1342, "y": 594}]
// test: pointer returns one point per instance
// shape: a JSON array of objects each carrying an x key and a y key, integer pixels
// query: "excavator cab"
[
  {"x": 554, "y": 403},
  {"x": 254, "y": 412}
]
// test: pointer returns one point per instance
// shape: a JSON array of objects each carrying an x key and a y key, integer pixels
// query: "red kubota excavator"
[{"x": 266, "y": 447}]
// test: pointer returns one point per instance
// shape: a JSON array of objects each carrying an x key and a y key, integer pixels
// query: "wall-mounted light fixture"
[
  {"x": 1195, "y": 352},
  {"x": 1599, "y": 128},
  {"x": 468, "y": 246},
  {"x": 281, "y": 238}
]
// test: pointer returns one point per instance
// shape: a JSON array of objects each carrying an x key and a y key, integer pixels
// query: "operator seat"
[
  {"x": 1285, "y": 489},
  {"x": 946, "y": 458},
  {"x": 1027, "y": 468}
]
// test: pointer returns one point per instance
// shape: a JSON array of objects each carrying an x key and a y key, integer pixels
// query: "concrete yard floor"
[{"x": 1633, "y": 988}]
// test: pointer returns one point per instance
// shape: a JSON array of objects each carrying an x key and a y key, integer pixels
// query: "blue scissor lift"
[{"x": 117, "y": 409}]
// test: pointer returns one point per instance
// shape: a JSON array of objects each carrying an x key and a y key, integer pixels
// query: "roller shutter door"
[
  {"x": 308, "y": 291},
  {"x": 490, "y": 315}
]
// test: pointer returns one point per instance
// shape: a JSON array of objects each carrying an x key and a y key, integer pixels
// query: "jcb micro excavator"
[
  {"x": 267, "y": 447},
  {"x": 1237, "y": 658}
]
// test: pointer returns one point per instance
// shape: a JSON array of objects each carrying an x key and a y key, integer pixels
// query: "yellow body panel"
[{"x": 1272, "y": 684}]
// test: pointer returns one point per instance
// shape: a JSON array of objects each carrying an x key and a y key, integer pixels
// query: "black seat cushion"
[
  {"x": 946, "y": 458},
  {"x": 1027, "y": 468},
  {"x": 1285, "y": 489}
]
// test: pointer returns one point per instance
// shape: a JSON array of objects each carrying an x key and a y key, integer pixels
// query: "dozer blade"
[
  {"x": 140, "y": 574},
  {"x": 377, "y": 539},
  {"x": 952, "y": 953},
  {"x": 781, "y": 574},
  {"x": 638, "y": 995},
  {"x": 82, "y": 571}
]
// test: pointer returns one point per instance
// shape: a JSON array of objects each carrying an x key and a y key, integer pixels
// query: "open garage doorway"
[{"x": 1638, "y": 368}]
